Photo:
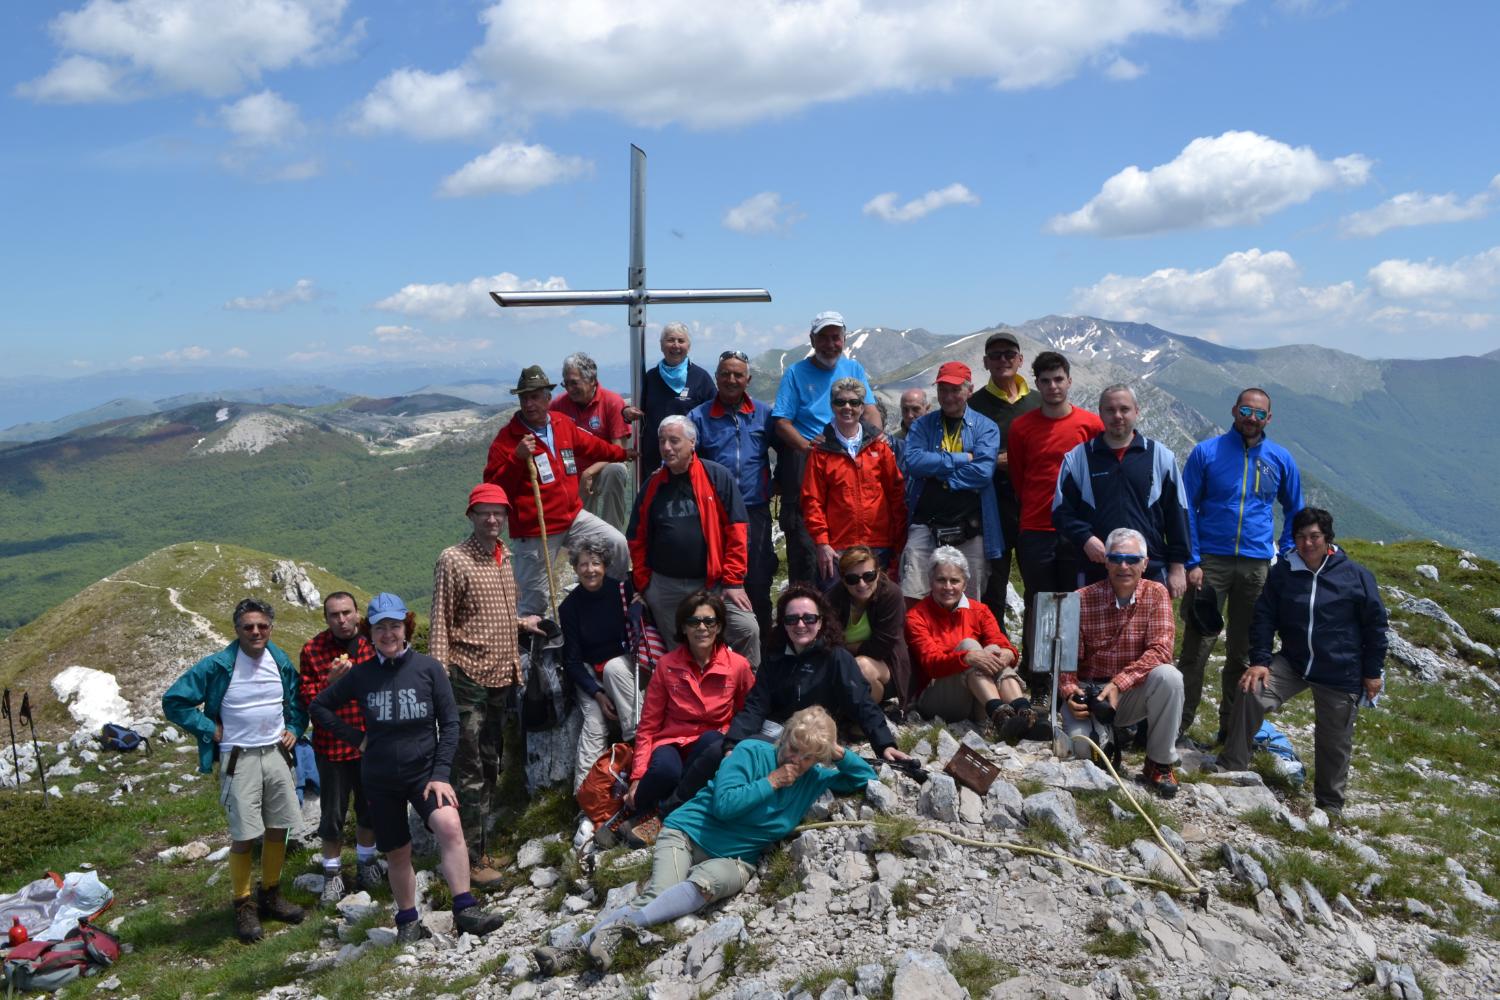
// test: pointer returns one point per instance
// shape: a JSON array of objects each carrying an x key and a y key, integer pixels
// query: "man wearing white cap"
[{"x": 801, "y": 412}]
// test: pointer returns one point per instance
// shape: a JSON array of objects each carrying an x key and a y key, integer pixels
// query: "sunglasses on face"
[
  {"x": 868, "y": 576},
  {"x": 254, "y": 627},
  {"x": 1003, "y": 355},
  {"x": 1125, "y": 558},
  {"x": 1253, "y": 411},
  {"x": 703, "y": 621},
  {"x": 849, "y": 403},
  {"x": 736, "y": 356},
  {"x": 807, "y": 619}
]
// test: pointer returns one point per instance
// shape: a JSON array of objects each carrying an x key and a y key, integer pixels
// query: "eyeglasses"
[
  {"x": 702, "y": 621},
  {"x": 1252, "y": 411},
  {"x": 735, "y": 356},
  {"x": 807, "y": 619},
  {"x": 847, "y": 403},
  {"x": 1002, "y": 355},
  {"x": 253, "y": 627},
  {"x": 868, "y": 576},
  {"x": 1125, "y": 558}
]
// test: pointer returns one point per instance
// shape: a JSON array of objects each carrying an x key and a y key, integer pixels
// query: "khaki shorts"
[
  {"x": 260, "y": 795},
  {"x": 949, "y": 698}
]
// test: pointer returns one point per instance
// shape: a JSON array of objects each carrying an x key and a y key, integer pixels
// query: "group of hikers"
[{"x": 899, "y": 545}]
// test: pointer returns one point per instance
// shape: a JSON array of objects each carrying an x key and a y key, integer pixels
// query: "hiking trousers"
[
  {"x": 476, "y": 766},
  {"x": 1237, "y": 582}
]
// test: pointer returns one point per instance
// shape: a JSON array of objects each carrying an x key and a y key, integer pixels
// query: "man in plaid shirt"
[
  {"x": 327, "y": 656},
  {"x": 1125, "y": 670}
]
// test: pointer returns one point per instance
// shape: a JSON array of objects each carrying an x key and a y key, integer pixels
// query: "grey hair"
[
  {"x": 678, "y": 420},
  {"x": 252, "y": 606},
  {"x": 1125, "y": 535},
  {"x": 589, "y": 547},
  {"x": 1118, "y": 387},
  {"x": 581, "y": 363},
  {"x": 847, "y": 384},
  {"x": 947, "y": 555},
  {"x": 676, "y": 327}
]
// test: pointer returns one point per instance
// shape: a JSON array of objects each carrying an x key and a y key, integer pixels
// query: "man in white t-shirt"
[{"x": 242, "y": 704}]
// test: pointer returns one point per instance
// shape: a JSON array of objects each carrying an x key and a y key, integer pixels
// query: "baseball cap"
[
  {"x": 385, "y": 607},
  {"x": 1001, "y": 337},
  {"x": 487, "y": 493},
  {"x": 954, "y": 373},
  {"x": 826, "y": 319}
]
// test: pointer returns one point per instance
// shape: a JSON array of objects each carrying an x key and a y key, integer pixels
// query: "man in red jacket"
[{"x": 558, "y": 450}]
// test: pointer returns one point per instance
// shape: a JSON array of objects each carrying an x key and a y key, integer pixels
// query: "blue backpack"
[{"x": 114, "y": 737}]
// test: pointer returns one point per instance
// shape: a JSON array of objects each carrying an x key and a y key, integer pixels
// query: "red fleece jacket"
[{"x": 571, "y": 446}]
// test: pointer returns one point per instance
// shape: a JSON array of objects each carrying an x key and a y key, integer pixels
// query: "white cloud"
[
  {"x": 190, "y": 353},
  {"x": 301, "y": 170},
  {"x": 711, "y": 65},
  {"x": 592, "y": 328},
  {"x": 1417, "y": 209},
  {"x": 1237, "y": 178},
  {"x": 263, "y": 119},
  {"x": 883, "y": 206},
  {"x": 1120, "y": 68},
  {"x": 131, "y": 48},
  {"x": 512, "y": 168},
  {"x": 1247, "y": 287},
  {"x": 275, "y": 300},
  {"x": 392, "y": 341},
  {"x": 238, "y": 353},
  {"x": 762, "y": 213},
  {"x": 460, "y": 301},
  {"x": 427, "y": 105},
  {"x": 308, "y": 357},
  {"x": 1476, "y": 277}
]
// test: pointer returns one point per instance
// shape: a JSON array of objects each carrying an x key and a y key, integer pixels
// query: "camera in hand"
[{"x": 1102, "y": 711}]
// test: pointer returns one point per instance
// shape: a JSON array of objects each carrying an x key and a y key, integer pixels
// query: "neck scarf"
[{"x": 675, "y": 377}]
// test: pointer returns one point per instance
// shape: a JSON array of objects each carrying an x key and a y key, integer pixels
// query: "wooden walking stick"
[{"x": 541, "y": 519}]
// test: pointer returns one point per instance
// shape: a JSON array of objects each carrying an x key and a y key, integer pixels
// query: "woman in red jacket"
[
  {"x": 852, "y": 492},
  {"x": 694, "y": 693},
  {"x": 965, "y": 666}
]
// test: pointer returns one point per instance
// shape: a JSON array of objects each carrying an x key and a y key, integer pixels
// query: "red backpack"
[{"x": 50, "y": 965}]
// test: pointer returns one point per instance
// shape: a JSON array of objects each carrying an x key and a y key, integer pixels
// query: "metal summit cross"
[{"x": 637, "y": 295}]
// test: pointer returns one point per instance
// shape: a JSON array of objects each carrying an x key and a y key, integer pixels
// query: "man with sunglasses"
[
  {"x": 1233, "y": 483},
  {"x": 242, "y": 704},
  {"x": 801, "y": 411},
  {"x": 735, "y": 431}
]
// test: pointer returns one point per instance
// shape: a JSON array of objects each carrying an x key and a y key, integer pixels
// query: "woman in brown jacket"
[{"x": 869, "y": 606}]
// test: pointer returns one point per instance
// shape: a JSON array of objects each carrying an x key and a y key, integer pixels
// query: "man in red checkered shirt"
[
  {"x": 327, "y": 656},
  {"x": 1125, "y": 669}
]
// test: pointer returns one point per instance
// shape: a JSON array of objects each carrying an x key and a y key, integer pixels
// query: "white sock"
[
  {"x": 677, "y": 901},
  {"x": 605, "y": 919},
  {"x": 331, "y": 866},
  {"x": 364, "y": 854}
]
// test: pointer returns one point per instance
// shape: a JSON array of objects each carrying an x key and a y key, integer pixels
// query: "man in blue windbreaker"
[
  {"x": 1233, "y": 483},
  {"x": 1326, "y": 609}
]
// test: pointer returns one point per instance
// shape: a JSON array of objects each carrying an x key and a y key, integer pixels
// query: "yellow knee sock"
[
  {"x": 239, "y": 874},
  {"x": 272, "y": 857}
]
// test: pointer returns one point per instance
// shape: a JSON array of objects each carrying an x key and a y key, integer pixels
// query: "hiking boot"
[
  {"x": 1012, "y": 725},
  {"x": 549, "y": 960},
  {"x": 371, "y": 874},
  {"x": 412, "y": 933},
  {"x": 473, "y": 920},
  {"x": 1160, "y": 778},
  {"x": 605, "y": 834},
  {"x": 246, "y": 922},
  {"x": 483, "y": 875},
  {"x": 333, "y": 891},
  {"x": 601, "y": 949},
  {"x": 641, "y": 831},
  {"x": 272, "y": 907}
]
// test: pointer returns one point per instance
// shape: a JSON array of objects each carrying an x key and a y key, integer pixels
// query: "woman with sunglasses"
[
  {"x": 852, "y": 492},
  {"x": 867, "y": 605},
  {"x": 694, "y": 693}
]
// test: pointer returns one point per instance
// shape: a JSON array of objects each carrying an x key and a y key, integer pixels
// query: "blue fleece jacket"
[{"x": 1231, "y": 494}]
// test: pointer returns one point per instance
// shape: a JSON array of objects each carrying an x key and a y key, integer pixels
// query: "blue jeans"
[{"x": 667, "y": 766}]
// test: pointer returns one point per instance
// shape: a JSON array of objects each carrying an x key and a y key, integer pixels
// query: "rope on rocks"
[{"x": 1182, "y": 865}]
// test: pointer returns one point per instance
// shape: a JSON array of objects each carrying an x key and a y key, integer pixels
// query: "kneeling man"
[{"x": 1125, "y": 669}]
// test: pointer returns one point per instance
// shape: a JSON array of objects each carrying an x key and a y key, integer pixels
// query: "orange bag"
[{"x": 602, "y": 794}]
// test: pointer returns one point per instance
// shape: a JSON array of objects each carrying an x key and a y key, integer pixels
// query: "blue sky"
[{"x": 305, "y": 184}]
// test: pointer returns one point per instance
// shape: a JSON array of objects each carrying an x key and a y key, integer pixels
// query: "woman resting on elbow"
[{"x": 709, "y": 847}]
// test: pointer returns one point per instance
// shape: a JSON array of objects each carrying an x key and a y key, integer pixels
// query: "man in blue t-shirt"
[{"x": 801, "y": 412}]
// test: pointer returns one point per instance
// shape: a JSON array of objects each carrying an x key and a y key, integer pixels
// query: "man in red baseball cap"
[{"x": 950, "y": 485}]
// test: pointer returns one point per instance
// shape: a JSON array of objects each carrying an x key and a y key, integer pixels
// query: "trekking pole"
[
  {"x": 541, "y": 519},
  {"x": 14, "y": 756},
  {"x": 25, "y": 715}
]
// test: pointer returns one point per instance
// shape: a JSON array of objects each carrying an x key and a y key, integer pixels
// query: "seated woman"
[
  {"x": 695, "y": 692},
  {"x": 965, "y": 666},
  {"x": 710, "y": 847},
  {"x": 411, "y": 734},
  {"x": 595, "y": 653},
  {"x": 852, "y": 491},
  {"x": 868, "y": 606}
]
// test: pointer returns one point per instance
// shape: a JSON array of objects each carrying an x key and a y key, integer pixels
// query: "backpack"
[
  {"x": 116, "y": 737},
  {"x": 50, "y": 965},
  {"x": 602, "y": 794},
  {"x": 547, "y": 694}
]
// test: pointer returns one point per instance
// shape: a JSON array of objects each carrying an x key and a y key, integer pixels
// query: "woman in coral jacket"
[
  {"x": 695, "y": 692},
  {"x": 852, "y": 492}
]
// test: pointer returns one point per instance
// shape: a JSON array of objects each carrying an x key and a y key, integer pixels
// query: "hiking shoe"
[
  {"x": 1011, "y": 725},
  {"x": 271, "y": 906},
  {"x": 605, "y": 834},
  {"x": 601, "y": 949},
  {"x": 549, "y": 960},
  {"x": 641, "y": 831},
  {"x": 412, "y": 933},
  {"x": 371, "y": 874},
  {"x": 1160, "y": 778},
  {"x": 333, "y": 891},
  {"x": 246, "y": 921},
  {"x": 483, "y": 875},
  {"x": 475, "y": 921}
]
